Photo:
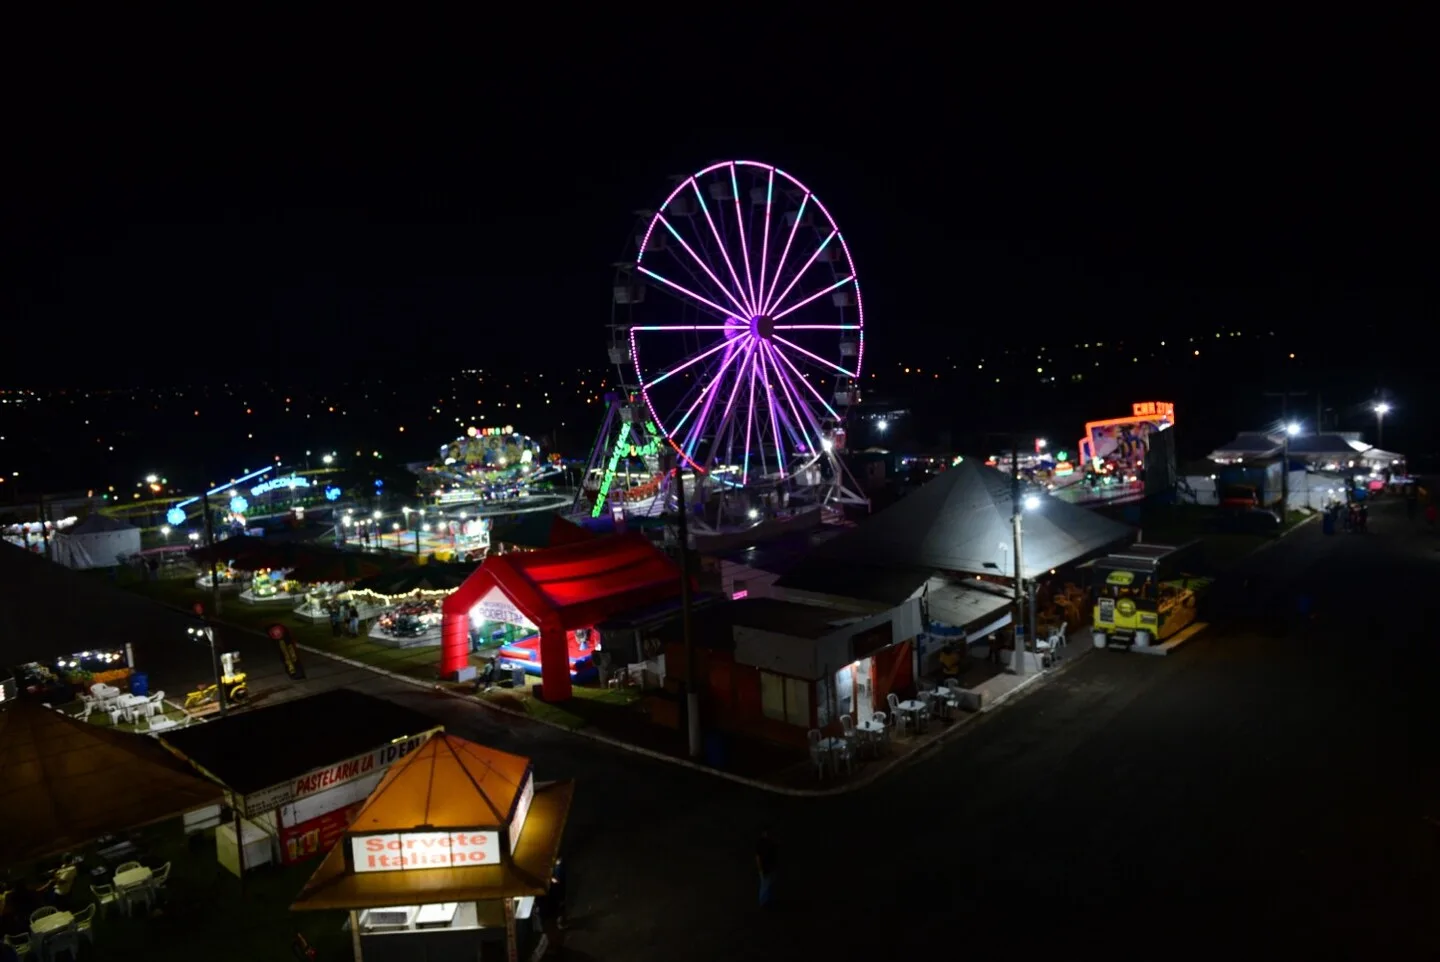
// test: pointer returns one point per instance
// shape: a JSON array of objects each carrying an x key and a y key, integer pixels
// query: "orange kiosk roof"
[{"x": 447, "y": 793}]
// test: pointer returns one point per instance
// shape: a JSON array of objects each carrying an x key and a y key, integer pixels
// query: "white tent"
[{"x": 96, "y": 542}]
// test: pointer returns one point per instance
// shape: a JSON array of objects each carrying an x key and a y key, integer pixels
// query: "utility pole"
[
  {"x": 1285, "y": 397},
  {"x": 692, "y": 697},
  {"x": 214, "y": 561},
  {"x": 1016, "y": 507}
]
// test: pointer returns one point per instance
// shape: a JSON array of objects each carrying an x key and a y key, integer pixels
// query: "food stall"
[
  {"x": 1145, "y": 594},
  {"x": 296, "y": 772},
  {"x": 446, "y": 858}
]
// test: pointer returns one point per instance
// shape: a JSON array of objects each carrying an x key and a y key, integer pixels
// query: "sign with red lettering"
[
  {"x": 1153, "y": 409},
  {"x": 409, "y": 851},
  {"x": 319, "y": 780},
  {"x": 317, "y": 836}
]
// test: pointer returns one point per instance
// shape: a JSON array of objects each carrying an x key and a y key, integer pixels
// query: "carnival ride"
[
  {"x": 740, "y": 371},
  {"x": 496, "y": 468}
]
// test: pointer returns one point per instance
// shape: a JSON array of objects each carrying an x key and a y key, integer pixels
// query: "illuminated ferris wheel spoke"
[
  {"x": 818, "y": 294},
  {"x": 720, "y": 241},
  {"x": 694, "y": 360},
  {"x": 740, "y": 226},
  {"x": 777, "y": 301},
  {"x": 749, "y": 417},
  {"x": 703, "y": 266},
  {"x": 814, "y": 357},
  {"x": 722, "y": 311},
  {"x": 785, "y": 252},
  {"x": 808, "y": 386},
  {"x": 683, "y": 327},
  {"x": 817, "y": 327},
  {"x": 698, "y": 427},
  {"x": 774, "y": 415},
  {"x": 788, "y": 390},
  {"x": 765, "y": 238},
  {"x": 730, "y": 403},
  {"x": 708, "y": 389}
]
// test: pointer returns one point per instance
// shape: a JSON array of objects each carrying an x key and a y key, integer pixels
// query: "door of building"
[{"x": 864, "y": 690}]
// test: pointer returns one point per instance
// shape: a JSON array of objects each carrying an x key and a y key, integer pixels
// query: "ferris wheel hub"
[{"x": 763, "y": 326}]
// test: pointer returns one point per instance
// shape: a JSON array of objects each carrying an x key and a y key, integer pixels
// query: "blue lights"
[
  {"x": 175, "y": 516},
  {"x": 379, "y": 483},
  {"x": 332, "y": 493},
  {"x": 238, "y": 504}
]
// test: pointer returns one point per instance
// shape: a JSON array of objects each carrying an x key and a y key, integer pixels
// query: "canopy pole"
[{"x": 1018, "y": 666}]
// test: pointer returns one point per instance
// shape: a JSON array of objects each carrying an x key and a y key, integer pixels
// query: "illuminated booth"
[
  {"x": 556, "y": 596},
  {"x": 294, "y": 774},
  {"x": 446, "y": 858}
]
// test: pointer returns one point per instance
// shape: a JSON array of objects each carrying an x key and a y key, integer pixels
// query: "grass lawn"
[{"x": 419, "y": 663}]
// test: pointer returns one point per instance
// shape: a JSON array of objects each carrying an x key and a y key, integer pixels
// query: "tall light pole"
[
  {"x": 1381, "y": 410},
  {"x": 207, "y": 632},
  {"x": 1291, "y": 430}
]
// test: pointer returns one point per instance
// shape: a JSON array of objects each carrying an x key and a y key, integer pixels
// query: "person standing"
[
  {"x": 557, "y": 893},
  {"x": 335, "y": 620},
  {"x": 354, "y": 622},
  {"x": 766, "y": 853}
]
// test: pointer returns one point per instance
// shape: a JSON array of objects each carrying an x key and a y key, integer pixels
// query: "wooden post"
[
  {"x": 355, "y": 935},
  {"x": 512, "y": 946}
]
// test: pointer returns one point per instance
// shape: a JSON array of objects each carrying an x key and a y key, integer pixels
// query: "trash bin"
[
  {"x": 715, "y": 750},
  {"x": 139, "y": 684}
]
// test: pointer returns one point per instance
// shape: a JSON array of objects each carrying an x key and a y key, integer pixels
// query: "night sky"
[{"x": 258, "y": 208}]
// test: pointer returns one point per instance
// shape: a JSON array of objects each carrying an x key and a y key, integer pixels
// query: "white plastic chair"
[
  {"x": 19, "y": 944},
  {"x": 893, "y": 701},
  {"x": 43, "y": 911},
  {"x": 104, "y": 895},
  {"x": 85, "y": 923},
  {"x": 816, "y": 755}
]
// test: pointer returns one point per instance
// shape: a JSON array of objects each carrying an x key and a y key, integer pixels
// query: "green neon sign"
[{"x": 622, "y": 448}]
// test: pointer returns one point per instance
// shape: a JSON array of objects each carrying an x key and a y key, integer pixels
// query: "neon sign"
[
  {"x": 650, "y": 448},
  {"x": 291, "y": 482},
  {"x": 1152, "y": 409}
]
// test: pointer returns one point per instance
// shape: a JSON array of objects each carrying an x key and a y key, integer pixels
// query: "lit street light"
[
  {"x": 1381, "y": 410},
  {"x": 1292, "y": 429}
]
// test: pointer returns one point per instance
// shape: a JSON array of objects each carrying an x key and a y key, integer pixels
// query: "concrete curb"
[
  {"x": 1284, "y": 534},
  {"x": 865, "y": 779}
]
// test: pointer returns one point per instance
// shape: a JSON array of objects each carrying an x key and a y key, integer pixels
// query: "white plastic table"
[
  {"x": 132, "y": 877},
  {"x": 915, "y": 710},
  {"x": 51, "y": 923}
]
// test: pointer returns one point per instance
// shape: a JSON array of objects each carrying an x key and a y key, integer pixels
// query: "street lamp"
[
  {"x": 1381, "y": 410},
  {"x": 1292, "y": 429},
  {"x": 328, "y": 459}
]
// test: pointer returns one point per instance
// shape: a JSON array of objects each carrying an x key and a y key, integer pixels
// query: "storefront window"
[{"x": 785, "y": 699}]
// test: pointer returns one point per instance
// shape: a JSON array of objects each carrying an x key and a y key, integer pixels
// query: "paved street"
[{"x": 1261, "y": 789}]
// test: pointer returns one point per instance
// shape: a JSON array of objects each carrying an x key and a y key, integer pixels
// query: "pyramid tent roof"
[
  {"x": 447, "y": 783},
  {"x": 961, "y": 522},
  {"x": 97, "y": 523},
  {"x": 65, "y": 782}
]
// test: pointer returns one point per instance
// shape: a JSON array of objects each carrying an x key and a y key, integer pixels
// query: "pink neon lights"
[
  {"x": 774, "y": 418},
  {"x": 749, "y": 417},
  {"x": 776, "y": 302},
  {"x": 816, "y": 357},
  {"x": 818, "y": 294},
  {"x": 765, "y": 241},
  {"x": 742, "y": 308},
  {"x": 694, "y": 360},
  {"x": 799, "y": 216},
  {"x": 744, "y": 248},
  {"x": 686, "y": 291},
  {"x": 733, "y": 348},
  {"x": 724, "y": 250},
  {"x": 808, "y": 386}
]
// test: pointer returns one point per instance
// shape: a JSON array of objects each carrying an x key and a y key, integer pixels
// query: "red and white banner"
[
  {"x": 317, "y": 836},
  {"x": 328, "y": 777}
]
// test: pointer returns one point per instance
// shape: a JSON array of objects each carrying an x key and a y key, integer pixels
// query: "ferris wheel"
[{"x": 739, "y": 327}]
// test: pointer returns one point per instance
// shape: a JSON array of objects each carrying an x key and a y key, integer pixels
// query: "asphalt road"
[{"x": 1263, "y": 789}]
